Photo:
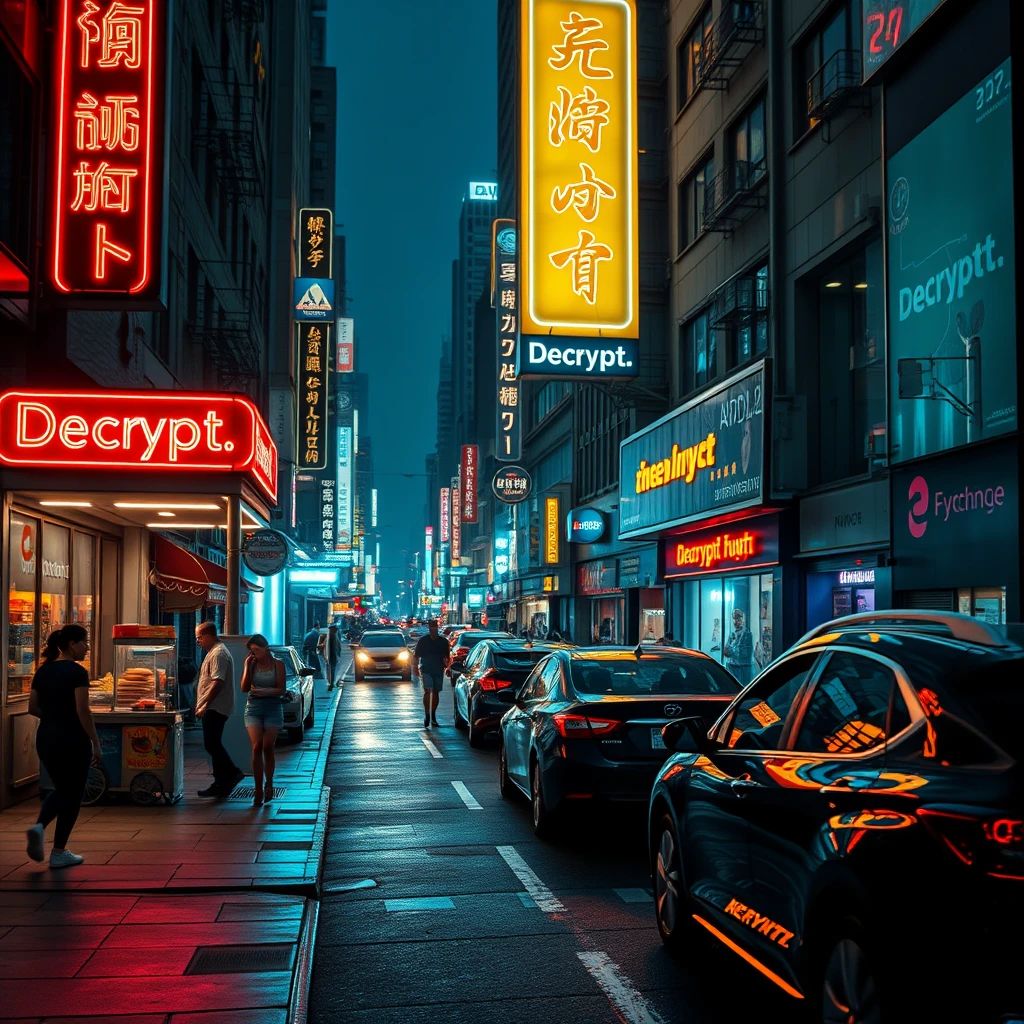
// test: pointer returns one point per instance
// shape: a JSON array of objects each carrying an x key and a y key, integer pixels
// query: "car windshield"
[
  {"x": 282, "y": 654},
  {"x": 518, "y": 659},
  {"x": 383, "y": 640},
  {"x": 622, "y": 673},
  {"x": 472, "y": 639}
]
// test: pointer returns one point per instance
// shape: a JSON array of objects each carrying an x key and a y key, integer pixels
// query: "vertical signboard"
[
  {"x": 456, "y": 522},
  {"x": 343, "y": 506},
  {"x": 327, "y": 511},
  {"x": 316, "y": 243},
  {"x": 470, "y": 460},
  {"x": 373, "y": 508},
  {"x": 346, "y": 356},
  {"x": 551, "y": 520},
  {"x": 312, "y": 374},
  {"x": 428, "y": 559},
  {"x": 108, "y": 161},
  {"x": 445, "y": 517},
  {"x": 578, "y": 171},
  {"x": 508, "y": 445}
]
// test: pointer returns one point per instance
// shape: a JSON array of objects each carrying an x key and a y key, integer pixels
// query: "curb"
[
  {"x": 315, "y": 860},
  {"x": 298, "y": 998}
]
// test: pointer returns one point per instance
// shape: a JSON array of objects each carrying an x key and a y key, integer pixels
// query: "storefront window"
[
  {"x": 730, "y": 618},
  {"x": 986, "y": 603},
  {"x": 652, "y": 614},
  {"x": 84, "y": 587},
  {"x": 608, "y": 620},
  {"x": 535, "y": 618},
  {"x": 56, "y": 573},
  {"x": 21, "y": 603}
]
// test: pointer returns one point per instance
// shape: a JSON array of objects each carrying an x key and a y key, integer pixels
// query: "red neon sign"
[
  {"x": 138, "y": 430},
  {"x": 107, "y": 172},
  {"x": 742, "y": 545},
  {"x": 470, "y": 460}
]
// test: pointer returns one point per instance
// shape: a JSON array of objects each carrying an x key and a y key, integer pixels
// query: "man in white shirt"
[{"x": 215, "y": 700}]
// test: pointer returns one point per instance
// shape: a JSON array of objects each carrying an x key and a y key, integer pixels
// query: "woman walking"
[
  {"x": 263, "y": 681},
  {"x": 66, "y": 739}
]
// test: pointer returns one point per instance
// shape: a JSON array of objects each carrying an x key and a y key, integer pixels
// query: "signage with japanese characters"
[
  {"x": 509, "y": 439},
  {"x": 138, "y": 430},
  {"x": 446, "y": 499},
  {"x": 551, "y": 526},
  {"x": 328, "y": 493},
  {"x": 107, "y": 169},
  {"x": 456, "y": 521},
  {"x": 578, "y": 170},
  {"x": 343, "y": 506},
  {"x": 316, "y": 239},
  {"x": 346, "y": 357},
  {"x": 312, "y": 377},
  {"x": 470, "y": 461}
]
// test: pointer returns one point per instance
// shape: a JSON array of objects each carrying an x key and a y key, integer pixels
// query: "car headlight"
[
  {"x": 363, "y": 656},
  {"x": 403, "y": 655}
]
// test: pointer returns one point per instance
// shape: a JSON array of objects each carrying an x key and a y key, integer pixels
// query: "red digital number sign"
[
  {"x": 138, "y": 430},
  {"x": 107, "y": 169}
]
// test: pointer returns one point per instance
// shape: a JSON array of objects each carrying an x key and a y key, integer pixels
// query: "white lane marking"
[
  {"x": 627, "y": 1000},
  {"x": 420, "y": 903},
  {"x": 434, "y": 752},
  {"x": 524, "y": 898},
  {"x": 539, "y": 892},
  {"x": 467, "y": 798},
  {"x": 633, "y": 895}
]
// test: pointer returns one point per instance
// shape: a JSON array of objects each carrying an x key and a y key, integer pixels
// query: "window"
[
  {"x": 699, "y": 353},
  {"x": 832, "y": 38},
  {"x": 690, "y": 202},
  {"x": 16, "y": 164},
  {"x": 21, "y": 603},
  {"x": 83, "y": 579},
  {"x": 651, "y": 674},
  {"x": 546, "y": 397},
  {"x": 688, "y": 57},
  {"x": 758, "y": 723},
  {"x": 549, "y": 682},
  {"x": 750, "y": 338},
  {"x": 746, "y": 148}
]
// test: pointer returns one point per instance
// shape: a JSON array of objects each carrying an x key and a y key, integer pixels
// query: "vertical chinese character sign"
[
  {"x": 346, "y": 356},
  {"x": 508, "y": 445},
  {"x": 313, "y": 374},
  {"x": 343, "y": 505},
  {"x": 328, "y": 496},
  {"x": 456, "y": 522},
  {"x": 579, "y": 264},
  {"x": 445, "y": 514},
  {"x": 107, "y": 171},
  {"x": 470, "y": 459}
]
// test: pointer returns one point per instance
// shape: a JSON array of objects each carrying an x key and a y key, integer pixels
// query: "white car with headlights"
[{"x": 382, "y": 652}]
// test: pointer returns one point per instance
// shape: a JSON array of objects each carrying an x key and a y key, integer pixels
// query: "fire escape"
[
  {"x": 739, "y": 28},
  {"x": 734, "y": 194},
  {"x": 834, "y": 87},
  {"x": 740, "y": 308}
]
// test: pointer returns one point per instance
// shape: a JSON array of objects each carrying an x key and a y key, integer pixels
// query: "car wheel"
[
  {"x": 544, "y": 822},
  {"x": 309, "y": 719},
  {"x": 849, "y": 987},
  {"x": 407, "y": 677},
  {"x": 476, "y": 736},
  {"x": 505, "y": 786},
  {"x": 669, "y": 891},
  {"x": 295, "y": 735}
]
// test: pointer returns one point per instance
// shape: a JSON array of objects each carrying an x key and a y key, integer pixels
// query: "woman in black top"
[{"x": 66, "y": 739}]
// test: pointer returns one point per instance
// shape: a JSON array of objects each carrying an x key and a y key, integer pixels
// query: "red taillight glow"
[
  {"x": 571, "y": 726},
  {"x": 460, "y": 652},
  {"x": 994, "y": 845},
  {"x": 490, "y": 681}
]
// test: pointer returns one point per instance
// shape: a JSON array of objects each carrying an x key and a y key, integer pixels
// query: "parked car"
[
  {"x": 463, "y": 641},
  {"x": 492, "y": 666},
  {"x": 586, "y": 725},
  {"x": 381, "y": 652},
  {"x": 853, "y": 824},
  {"x": 299, "y": 703}
]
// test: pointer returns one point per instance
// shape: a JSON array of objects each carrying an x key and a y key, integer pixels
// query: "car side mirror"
[
  {"x": 306, "y": 672},
  {"x": 687, "y": 735},
  {"x": 506, "y": 696},
  {"x": 353, "y": 646}
]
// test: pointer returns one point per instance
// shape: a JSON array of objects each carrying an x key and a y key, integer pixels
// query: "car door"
[
  {"x": 474, "y": 665},
  {"x": 518, "y": 724},
  {"x": 714, "y": 839}
]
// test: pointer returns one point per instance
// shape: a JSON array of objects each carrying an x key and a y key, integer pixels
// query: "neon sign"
[
  {"x": 720, "y": 550},
  {"x": 138, "y": 430},
  {"x": 682, "y": 464},
  {"x": 108, "y": 153}
]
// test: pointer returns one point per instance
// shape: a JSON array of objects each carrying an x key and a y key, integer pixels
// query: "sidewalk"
[{"x": 197, "y": 845}]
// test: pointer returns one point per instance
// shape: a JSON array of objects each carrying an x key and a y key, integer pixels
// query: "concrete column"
[{"x": 233, "y": 606}]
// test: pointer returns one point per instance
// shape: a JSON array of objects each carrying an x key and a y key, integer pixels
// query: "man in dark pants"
[
  {"x": 331, "y": 647},
  {"x": 215, "y": 700},
  {"x": 310, "y": 642},
  {"x": 432, "y": 656}
]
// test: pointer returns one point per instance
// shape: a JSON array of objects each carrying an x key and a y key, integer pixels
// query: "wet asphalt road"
[{"x": 481, "y": 950}]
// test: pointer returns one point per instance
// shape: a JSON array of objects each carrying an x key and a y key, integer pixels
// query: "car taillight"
[
  {"x": 571, "y": 726},
  {"x": 490, "y": 681},
  {"x": 994, "y": 844},
  {"x": 460, "y": 652}
]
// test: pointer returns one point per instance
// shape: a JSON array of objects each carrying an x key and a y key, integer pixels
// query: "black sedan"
[
  {"x": 464, "y": 641},
  {"x": 492, "y": 666},
  {"x": 586, "y": 725},
  {"x": 853, "y": 825}
]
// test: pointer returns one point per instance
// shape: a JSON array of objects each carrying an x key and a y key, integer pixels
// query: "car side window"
[
  {"x": 529, "y": 689},
  {"x": 550, "y": 677},
  {"x": 759, "y": 721},
  {"x": 473, "y": 658},
  {"x": 849, "y": 708}
]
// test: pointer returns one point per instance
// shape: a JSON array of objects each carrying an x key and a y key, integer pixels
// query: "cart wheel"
[
  {"x": 146, "y": 789},
  {"x": 95, "y": 785}
]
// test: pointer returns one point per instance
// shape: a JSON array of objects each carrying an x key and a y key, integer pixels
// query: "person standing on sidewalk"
[
  {"x": 214, "y": 703},
  {"x": 432, "y": 656},
  {"x": 310, "y": 643},
  {"x": 263, "y": 681},
  {"x": 330, "y": 646},
  {"x": 66, "y": 739}
]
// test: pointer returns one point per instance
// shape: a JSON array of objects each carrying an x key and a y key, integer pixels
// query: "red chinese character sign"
[
  {"x": 107, "y": 172},
  {"x": 470, "y": 459}
]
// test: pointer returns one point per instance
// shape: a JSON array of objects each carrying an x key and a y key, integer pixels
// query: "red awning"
[
  {"x": 177, "y": 575},
  {"x": 218, "y": 578}
]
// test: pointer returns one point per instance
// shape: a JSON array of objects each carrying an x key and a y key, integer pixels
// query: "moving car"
[
  {"x": 853, "y": 824},
  {"x": 492, "y": 666},
  {"x": 299, "y": 705},
  {"x": 381, "y": 652},
  {"x": 586, "y": 725},
  {"x": 463, "y": 641}
]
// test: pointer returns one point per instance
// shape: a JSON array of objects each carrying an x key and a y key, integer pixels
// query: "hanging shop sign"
[
  {"x": 745, "y": 544},
  {"x": 313, "y": 378},
  {"x": 551, "y": 531},
  {"x": 265, "y": 552},
  {"x": 328, "y": 493},
  {"x": 346, "y": 355},
  {"x": 578, "y": 359},
  {"x": 343, "y": 506},
  {"x": 108, "y": 165},
  {"x": 578, "y": 194},
  {"x": 887, "y": 25},
  {"x": 512, "y": 484},
  {"x": 468, "y": 474},
  {"x": 312, "y": 299},
  {"x": 707, "y": 456},
  {"x": 584, "y": 526},
  {"x": 428, "y": 546},
  {"x": 316, "y": 243},
  {"x": 445, "y": 514},
  {"x": 456, "y": 521},
  {"x": 173, "y": 430},
  {"x": 509, "y": 436}
]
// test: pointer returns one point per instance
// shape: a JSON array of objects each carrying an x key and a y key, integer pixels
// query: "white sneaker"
[
  {"x": 66, "y": 859},
  {"x": 35, "y": 841}
]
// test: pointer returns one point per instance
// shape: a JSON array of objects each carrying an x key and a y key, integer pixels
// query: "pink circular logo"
[{"x": 918, "y": 507}]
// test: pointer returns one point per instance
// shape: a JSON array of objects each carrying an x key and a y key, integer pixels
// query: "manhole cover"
[
  {"x": 240, "y": 959},
  {"x": 248, "y": 792}
]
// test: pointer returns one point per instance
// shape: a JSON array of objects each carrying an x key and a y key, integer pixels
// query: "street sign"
[
  {"x": 265, "y": 552},
  {"x": 512, "y": 484}
]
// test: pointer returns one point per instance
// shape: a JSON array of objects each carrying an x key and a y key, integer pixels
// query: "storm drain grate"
[
  {"x": 240, "y": 959},
  {"x": 248, "y": 792}
]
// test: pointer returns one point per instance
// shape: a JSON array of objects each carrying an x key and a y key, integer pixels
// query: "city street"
[{"x": 470, "y": 918}]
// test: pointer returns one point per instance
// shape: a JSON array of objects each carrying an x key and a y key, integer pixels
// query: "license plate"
[
  {"x": 383, "y": 664},
  {"x": 657, "y": 743}
]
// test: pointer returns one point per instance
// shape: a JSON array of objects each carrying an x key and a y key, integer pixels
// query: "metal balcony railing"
[
  {"x": 739, "y": 28},
  {"x": 738, "y": 303},
  {"x": 733, "y": 194},
  {"x": 246, "y": 12},
  {"x": 833, "y": 84}
]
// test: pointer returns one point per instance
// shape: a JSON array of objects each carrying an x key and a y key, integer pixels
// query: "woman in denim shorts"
[{"x": 263, "y": 681}]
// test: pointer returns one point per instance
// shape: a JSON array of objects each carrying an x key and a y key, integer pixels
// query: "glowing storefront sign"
[
  {"x": 138, "y": 430},
  {"x": 681, "y": 464},
  {"x": 313, "y": 385},
  {"x": 468, "y": 472},
  {"x": 484, "y": 190},
  {"x": 343, "y": 505},
  {"x": 456, "y": 522},
  {"x": 446, "y": 498},
  {"x": 551, "y": 531},
  {"x": 855, "y": 576},
  {"x": 107, "y": 163},
  {"x": 739, "y": 546},
  {"x": 579, "y": 169},
  {"x": 504, "y": 274},
  {"x": 313, "y": 576}
]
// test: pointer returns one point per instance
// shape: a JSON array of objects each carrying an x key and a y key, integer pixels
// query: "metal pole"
[{"x": 231, "y": 608}]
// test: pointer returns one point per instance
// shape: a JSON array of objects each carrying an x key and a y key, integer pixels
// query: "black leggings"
[{"x": 66, "y": 757}]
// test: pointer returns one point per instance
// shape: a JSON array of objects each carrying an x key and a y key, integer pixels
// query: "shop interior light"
[
  {"x": 165, "y": 504},
  {"x": 166, "y": 514},
  {"x": 834, "y": 284},
  {"x": 67, "y": 504},
  {"x": 186, "y": 526},
  {"x": 861, "y": 286}
]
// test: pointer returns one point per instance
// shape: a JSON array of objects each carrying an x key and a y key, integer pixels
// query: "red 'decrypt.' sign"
[
  {"x": 107, "y": 164},
  {"x": 138, "y": 430},
  {"x": 470, "y": 459}
]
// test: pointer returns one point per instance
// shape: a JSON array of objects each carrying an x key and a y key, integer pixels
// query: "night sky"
[{"x": 416, "y": 123}]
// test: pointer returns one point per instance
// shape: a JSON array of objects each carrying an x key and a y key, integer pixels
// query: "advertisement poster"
[
  {"x": 707, "y": 456},
  {"x": 952, "y": 308},
  {"x": 145, "y": 746}
]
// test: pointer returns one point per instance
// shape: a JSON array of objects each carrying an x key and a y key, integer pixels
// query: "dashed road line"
[
  {"x": 420, "y": 903},
  {"x": 434, "y": 752},
  {"x": 627, "y": 1000},
  {"x": 467, "y": 798},
  {"x": 539, "y": 892}
]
